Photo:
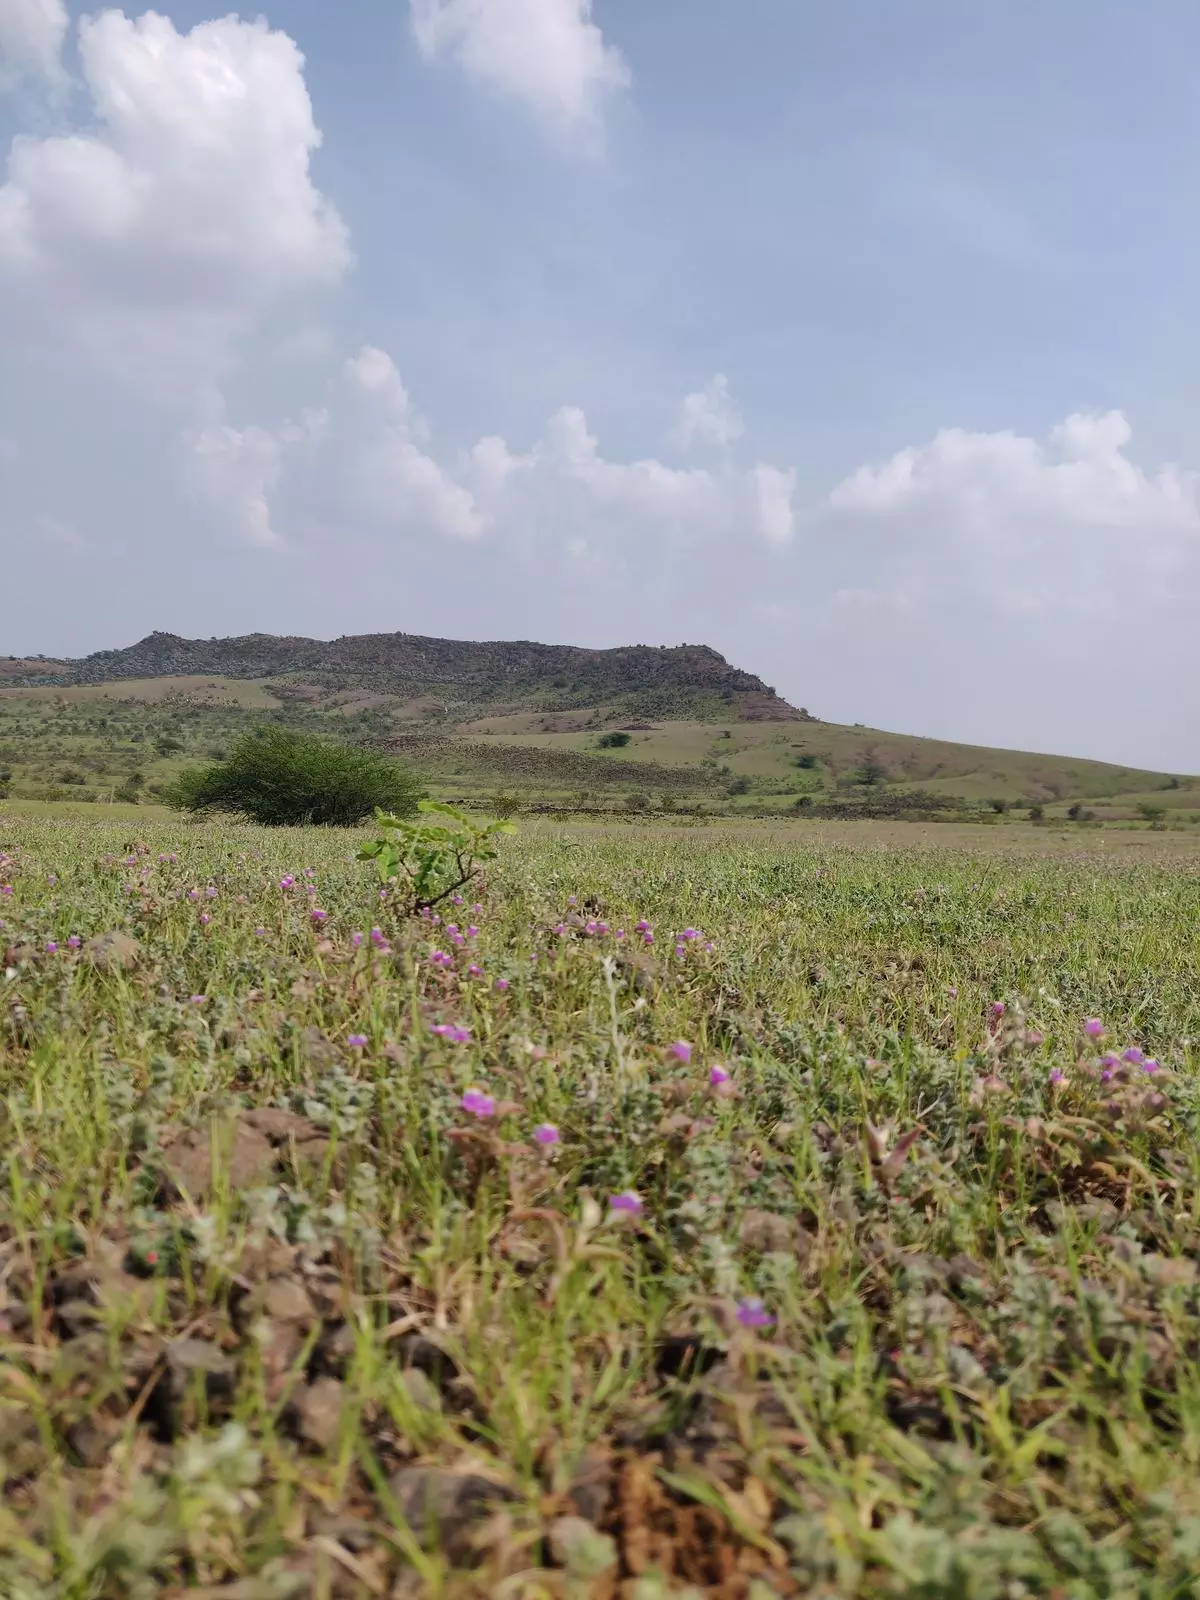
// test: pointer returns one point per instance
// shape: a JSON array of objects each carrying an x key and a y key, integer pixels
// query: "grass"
[{"x": 911, "y": 1304}]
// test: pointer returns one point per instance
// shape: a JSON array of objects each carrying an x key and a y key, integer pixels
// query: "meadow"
[{"x": 732, "y": 1211}]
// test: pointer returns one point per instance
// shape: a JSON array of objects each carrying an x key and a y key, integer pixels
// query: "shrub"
[
  {"x": 806, "y": 763},
  {"x": 1150, "y": 812},
  {"x": 277, "y": 777},
  {"x": 613, "y": 741},
  {"x": 432, "y": 855}
]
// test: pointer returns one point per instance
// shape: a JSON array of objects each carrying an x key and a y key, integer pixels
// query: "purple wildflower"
[
  {"x": 478, "y": 1103},
  {"x": 642, "y": 926},
  {"x": 74, "y": 942},
  {"x": 472, "y": 932},
  {"x": 1134, "y": 1056},
  {"x": 627, "y": 1202},
  {"x": 318, "y": 915},
  {"x": 51, "y": 947},
  {"x": 997, "y": 1009},
  {"x": 210, "y": 893},
  {"x": 681, "y": 1050},
  {"x": 1057, "y": 1075},
  {"x": 751, "y": 1313},
  {"x": 356, "y": 1041},
  {"x": 199, "y": 999},
  {"x": 356, "y": 940},
  {"x": 287, "y": 881},
  {"x": 502, "y": 984},
  {"x": 205, "y": 920},
  {"x": 717, "y": 1076},
  {"x": 474, "y": 971},
  {"x": 546, "y": 1133},
  {"x": 1094, "y": 1028},
  {"x": 1150, "y": 1065},
  {"x": 260, "y": 933},
  {"x": 451, "y": 1031}
]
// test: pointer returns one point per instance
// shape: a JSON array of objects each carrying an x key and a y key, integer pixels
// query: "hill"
[
  {"x": 464, "y": 676},
  {"x": 640, "y": 728}
]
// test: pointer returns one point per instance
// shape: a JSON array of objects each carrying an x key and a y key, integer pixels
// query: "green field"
[
  {"x": 901, "y": 1296},
  {"x": 97, "y": 742}
]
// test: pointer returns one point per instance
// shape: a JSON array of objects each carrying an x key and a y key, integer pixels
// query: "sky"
[{"x": 860, "y": 342}]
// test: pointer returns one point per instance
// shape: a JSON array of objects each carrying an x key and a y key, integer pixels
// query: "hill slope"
[
  {"x": 640, "y": 727},
  {"x": 687, "y": 680}
]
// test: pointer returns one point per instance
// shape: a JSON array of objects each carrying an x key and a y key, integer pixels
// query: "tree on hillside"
[{"x": 276, "y": 776}]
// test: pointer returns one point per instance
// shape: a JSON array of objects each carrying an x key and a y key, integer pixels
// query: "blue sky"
[{"x": 860, "y": 341}]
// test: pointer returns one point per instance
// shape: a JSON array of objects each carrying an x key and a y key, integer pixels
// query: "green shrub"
[
  {"x": 278, "y": 777},
  {"x": 613, "y": 741}
]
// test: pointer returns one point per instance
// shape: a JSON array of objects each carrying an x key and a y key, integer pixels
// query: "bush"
[
  {"x": 277, "y": 777},
  {"x": 613, "y": 741}
]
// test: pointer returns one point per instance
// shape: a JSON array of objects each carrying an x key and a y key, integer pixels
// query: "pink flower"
[
  {"x": 546, "y": 1133},
  {"x": 210, "y": 892},
  {"x": 452, "y": 1032},
  {"x": 356, "y": 940},
  {"x": 51, "y": 947},
  {"x": 1094, "y": 1028},
  {"x": 318, "y": 915},
  {"x": 751, "y": 1313},
  {"x": 205, "y": 920},
  {"x": 681, "y": 1050},
  {"x": 356, "y": 1041},
  {"x": 502, "y": 984},
  {"x": 74, "y": 942},
  {"x": 627, "y": 1202},
  {"x": 199, "y": 999},
  {"x": 642, "y": 926},
  {"x": 953, "y": 992},
  {"x": 647, "y": 938},
  {"x": 1134, "y": 1056},
  {"x": 478, "y": 1103},
  {"x": 717, "y": 1076},
  {"x": 474, "y": 971},
  {"x": 286, "y": 881},
  {"x": 260, "y": 933},
  {"x": 1150, "y": 1065},
  {"x": 1057, "y": 1075},
  {"x": 997, "y": 1009}
]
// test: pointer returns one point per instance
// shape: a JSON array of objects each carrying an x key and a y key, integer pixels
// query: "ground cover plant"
[{"x": 686, "y": 1212}]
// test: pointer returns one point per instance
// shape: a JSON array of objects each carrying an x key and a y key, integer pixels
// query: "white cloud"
[
  {"x": 547, "y": 54},
  {"x": 236, "y": 470},
  {"x": 773, "y": 491},
  {"x": 31, "y": 41},
  {"x": 371, "y": 466},
  {"x": 1071, "y": 522},
  {"x": 158, "y": 237},
  {"x": 709, "y": 416}
]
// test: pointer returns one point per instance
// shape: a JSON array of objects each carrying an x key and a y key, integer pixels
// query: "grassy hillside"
[{"x": 639, "y": 729}]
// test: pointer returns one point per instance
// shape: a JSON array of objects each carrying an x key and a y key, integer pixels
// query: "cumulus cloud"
[
  {"x": 161, "y": 234},
  {"x": 1071, "y": 522},
  {"x": 709, "y": 416},
  {"x": 372, "y": 465},
  {"x": 31, "y": 40},
  {"x": 546, "y": 54}
]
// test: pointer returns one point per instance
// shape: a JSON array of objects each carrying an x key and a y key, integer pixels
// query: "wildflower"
[
  {"x": 1150, "y": 1065},
  {"x": 260, "y": 933},
  {"x": 6, "y": 888},
  {"x": 377, "y": 936},
  {"x": 643, "y": 926},
  {"x": 647, "y": 938},
  {"x": 1094, "y": 1028},
  {"x": 590, "y": 927},
  {"x": 287, "y": 881},
  {"x": 356, "y": 1041},
  {"x": 717, "y": 1076},
  {"x": 627, "y": 1202},
  {"x": 546, "y": 1133},
  {"x": 997, "y": 1009},
  {"x": 193, "y": 894},
  {"x": 679, "y": 950},
  {"x": 751, "y": 1313},
  {"x": 210, "y": 893},
  {"x": 602, "y": 928},
  {"x": 318, "y": 915},
  {"x": 74, "y": 942},
  {"x": 51, "y": 878},
  {"x": 709, "y": 947},
  {"x": 681, "y": 1050},
  {"x": 458, "y": 899},
  {"x": 478, "y": 1103},
  {"x": 199, "y": 999},
  {"x": 953, "y": 991},
  {"x": 205, "y": 920},
  {"x": 690, "y": 934},
  {"x": 472, "y": 932},
  {"x": 1057, "y": 1075},
  {"x": 620, "y": 934},
  {"x": 474, "y": 971},
  {"x": 1034, "y": 1038},
  {"x": 309, "y": 873},
  {"x": 451, "y": 1031},
  {"x": 356, "y": 940},
  {"x": 51, "y": 947},
  {"x": 502, "y": 984},
  {"x": 571, "y": 900},
  {"x": 1134, "y": 1056},
  {"x": 476, "y": 910},
  {"x": 452, "y": 928}
]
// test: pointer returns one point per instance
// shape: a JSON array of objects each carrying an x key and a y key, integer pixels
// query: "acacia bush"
[{"x": 278, "y": 777}]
